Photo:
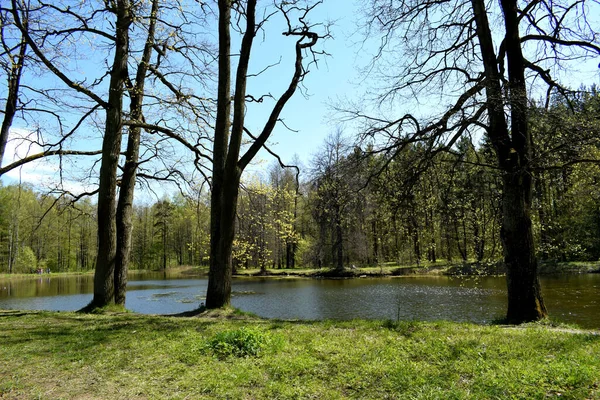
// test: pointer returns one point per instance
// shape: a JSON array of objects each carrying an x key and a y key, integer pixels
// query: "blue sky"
[
  {"x": 333, "y": 79},
  {"x": 309, "y": 112}
]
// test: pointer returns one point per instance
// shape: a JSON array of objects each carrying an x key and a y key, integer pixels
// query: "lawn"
[{"x": 52, "y": 355}]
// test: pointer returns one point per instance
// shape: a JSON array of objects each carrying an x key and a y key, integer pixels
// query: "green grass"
[
  {"x": 127, "y": 356},
  {"x": 548, "y": 267},
  {"x": 384, "y": 269}
]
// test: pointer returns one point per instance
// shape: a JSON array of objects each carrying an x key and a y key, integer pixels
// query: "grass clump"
[{"x": 242, "y": 342}]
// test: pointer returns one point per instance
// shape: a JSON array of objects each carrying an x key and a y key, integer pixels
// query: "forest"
[
  {"x": 340, "y": 211},
  {"x": 475, "y": 141}
]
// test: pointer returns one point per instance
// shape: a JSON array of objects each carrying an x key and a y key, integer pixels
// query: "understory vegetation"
[{"x": 227, "y": 355}]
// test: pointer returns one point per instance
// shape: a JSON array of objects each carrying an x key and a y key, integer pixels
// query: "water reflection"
[
  {"x": 571, "y": 298},
  {"x": 41, "y": 286}
]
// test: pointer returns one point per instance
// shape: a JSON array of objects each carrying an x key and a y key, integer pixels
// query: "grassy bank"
[
  {"x": 386, "y": 269},
  {"x": 127, "y": 356},
  {"x": 426, "y": 268}
]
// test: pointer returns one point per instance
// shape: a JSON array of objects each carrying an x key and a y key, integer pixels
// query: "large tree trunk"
[
  {"x": 525, "y": 301},
  {"x": 219, "y": 282},
  {"x": 111, "y": 148},
  {"x": 524, "y": 296},
  {"x": 126, "y": 193},
  {"x": 220, "y": 273}
]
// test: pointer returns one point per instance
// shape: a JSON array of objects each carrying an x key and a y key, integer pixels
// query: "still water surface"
[{"x": 569, "y": 298}]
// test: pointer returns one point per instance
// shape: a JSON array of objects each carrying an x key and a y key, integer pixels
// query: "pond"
[{"x": 569, "y": 298}]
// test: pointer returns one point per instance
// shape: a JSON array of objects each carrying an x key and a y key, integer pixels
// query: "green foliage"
[
  {"x": 305, "y": 251},
  {"x": 566, "y": 198},
  {"x": 41, "y": 227},
  {"x": 242, "y": 342},
  {"x": 26, "y": 261},
  {"x": 409, "y": 209}
]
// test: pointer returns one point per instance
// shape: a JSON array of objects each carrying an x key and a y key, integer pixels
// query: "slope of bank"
[{"x": 228, "y": 355}]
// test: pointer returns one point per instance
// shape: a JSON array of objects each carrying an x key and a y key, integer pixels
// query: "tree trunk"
[
  {"x": 227, "y": 163},
  {"x": 111, "y": 147},
  {"x": 524, "y": 296},
  {"x": 525, "y": 301},
  {"x": 126, "y": 193},
  {"x": 14, "y": 82},
  {"x": 219, "y": 282}
]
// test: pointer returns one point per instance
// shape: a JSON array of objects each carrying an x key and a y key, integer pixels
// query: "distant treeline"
[{"x": 351, "y": 206}]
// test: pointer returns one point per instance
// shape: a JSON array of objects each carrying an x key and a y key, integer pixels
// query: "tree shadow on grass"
[{"x": 70, "y": 334}]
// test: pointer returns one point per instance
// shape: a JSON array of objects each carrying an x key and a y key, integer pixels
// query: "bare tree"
[
  {"x": 447, "y": 48},
  {"x": 126, "y": 192},
  {"x": 228, "y": 164},
  {"x": 12, "y": 63},
  {"x": 54, "y": 28}
]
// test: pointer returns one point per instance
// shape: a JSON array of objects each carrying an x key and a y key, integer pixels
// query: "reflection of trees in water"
[
  {"x": 46, "y": 286},
  {"x": 574, "y": 298}
]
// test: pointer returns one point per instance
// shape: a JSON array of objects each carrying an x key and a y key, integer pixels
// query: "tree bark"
[
  {"x": 219, "y": 282},
  {"x": 227, "y": 163},
  {"x": 525, "y": 301},
  {"x": 14, "y": 82},
  {"x": 104, "y": 289},
  {"x": 126, "y": 193}
]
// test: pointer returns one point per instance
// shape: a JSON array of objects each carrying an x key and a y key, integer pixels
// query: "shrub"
[{"x": 26, "y": 260}]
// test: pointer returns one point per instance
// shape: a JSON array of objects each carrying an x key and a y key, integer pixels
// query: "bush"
[
  {"x": 26, "y": 260},
  {"x": 243, "y": 342}
]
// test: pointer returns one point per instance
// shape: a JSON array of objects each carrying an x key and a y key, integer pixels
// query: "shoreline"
[
  {"x": 440, "y": 269},
  {"x": 454, "y": 270}
]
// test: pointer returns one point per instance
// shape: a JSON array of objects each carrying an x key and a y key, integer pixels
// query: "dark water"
[{"x": 569, "y": 298}]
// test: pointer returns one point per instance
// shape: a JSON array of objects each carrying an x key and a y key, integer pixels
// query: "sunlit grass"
[
  {"x": 353, "y": 270},
  {"x": 128, "y": 356}
]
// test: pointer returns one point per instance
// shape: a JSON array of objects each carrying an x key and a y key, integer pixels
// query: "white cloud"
[
  {"x": 21, "y": 143},
  {"x": 42, "y": 173}
]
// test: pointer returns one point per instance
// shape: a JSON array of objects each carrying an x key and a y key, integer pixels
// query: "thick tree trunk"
[
  {"x": 124, "y": 217},
  {"x": 219, "y": 282},
  {"x": 126, "y": 193},
  {"x": 524, "y": 296},
  {"x": 525, "y": 301},
  {"x": 111, "y": 148},
  {"x": 513, "y": 151},
  {"x": 227, "y": 163}
]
